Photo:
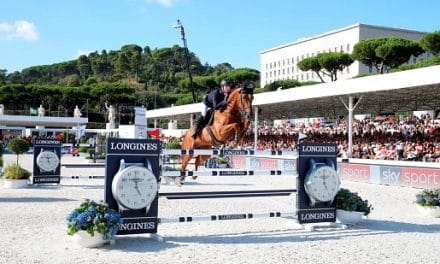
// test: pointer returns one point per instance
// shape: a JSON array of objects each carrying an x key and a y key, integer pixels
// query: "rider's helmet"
[{"x": 226, "y": 82}]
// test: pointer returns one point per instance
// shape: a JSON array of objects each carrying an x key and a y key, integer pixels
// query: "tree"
[
  {"x": 18, "y": 146},
  {"x": 84, "y": 67},
  {"x": 332, "y": 62},
  {"x": 122, "y": 64},
  {"x": 311, "y": 64},
  {"x": 3, "y": 76},
  {"x": 431, "y": 43},
  {"x": 241, "y": 76},
  {"x": 384, "y": 53},
  {"x": 327, "y": 63}
]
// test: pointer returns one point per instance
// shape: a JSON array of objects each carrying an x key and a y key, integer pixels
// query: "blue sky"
[{"x": 50, "y": 31}]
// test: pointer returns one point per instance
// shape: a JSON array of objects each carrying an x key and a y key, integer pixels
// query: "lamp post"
[{"x": 187, "y": 60}]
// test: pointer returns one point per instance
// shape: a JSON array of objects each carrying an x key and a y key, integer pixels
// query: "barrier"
[
  {"x": 234, "y": 152},
  {"x": 227, "y": 217},
  {"x": 227, "y": 173},
  {"x": 226, "y": 194}
]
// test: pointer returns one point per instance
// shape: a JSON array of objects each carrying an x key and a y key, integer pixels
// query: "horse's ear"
[{"x": 248, "y": 88}]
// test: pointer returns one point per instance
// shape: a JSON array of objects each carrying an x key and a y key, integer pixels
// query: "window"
[
  {"x": 370, "y": 70},
  {"x": 302, "y": 77},
  {"x": 297, "y": 77},
  {"x": 283, "y": 72},
  {"x": 288, "y": 61},
  {"x": 414, "y": 60},
  {"x": 293, "y": 69},
  {"x": 271, "y": 65},
  {"x": 302, "y": 57},
  {"x": 288, "y": 70},
  {"x": 342, "y": 48},
  {"x": 284, "y": 63},
  {"x": 348, "y": 69},
  {"x": 279, "y": 63},
  {"x": 267, "y": 74},
  {"x": 279, "y": 72},
  {"x": 307, "y": 76},
  {"x": 329, "y": 50},
  {"x": 274, "y": 73},
  {"x": 336, "y": 49},
  {"x": 270, "y": 74},
  {"x": 266, "y": 66},
  {"x": 313, "y": 75},
  {"x": 297, "y": 59},
  {"x": 293, "y": 60},
  {"x": 313, "y": 54},
  {"x": 348, "y": 47},
  {"x": 307, "y": 55}
]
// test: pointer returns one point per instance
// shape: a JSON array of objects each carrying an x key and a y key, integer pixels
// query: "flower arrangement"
[
  {"x": 94, "y": 217},
  {"x": 350, "y": 201},
  {"x": 428, "y": 197}
]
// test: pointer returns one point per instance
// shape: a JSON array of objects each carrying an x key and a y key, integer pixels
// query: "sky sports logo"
[{"x": 390, "y": 175}]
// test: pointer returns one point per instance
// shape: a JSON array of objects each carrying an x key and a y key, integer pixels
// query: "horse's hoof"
[{"x": 194, "y": 177}]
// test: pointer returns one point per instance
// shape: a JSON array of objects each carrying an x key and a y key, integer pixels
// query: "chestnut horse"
[{"x": 230, "y": 123}]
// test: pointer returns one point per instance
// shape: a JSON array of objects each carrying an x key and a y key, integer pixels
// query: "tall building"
[{"x": 280, "y": 63}]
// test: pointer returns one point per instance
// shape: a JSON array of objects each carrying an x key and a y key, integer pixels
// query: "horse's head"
[{"x": 243, "y": 101}]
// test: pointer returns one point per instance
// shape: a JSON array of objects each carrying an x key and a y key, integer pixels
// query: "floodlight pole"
[
  {"x": 350, "y": 107},
  {"x": 187, "y": 59}
]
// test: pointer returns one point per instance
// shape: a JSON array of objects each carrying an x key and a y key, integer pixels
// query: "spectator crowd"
[{"x": 383, "y": 138}]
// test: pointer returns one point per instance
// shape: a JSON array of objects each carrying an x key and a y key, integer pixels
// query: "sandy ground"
[{"x": 33, "y": 227}]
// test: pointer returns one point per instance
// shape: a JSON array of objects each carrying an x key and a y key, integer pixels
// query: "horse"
[{"x": 229, "y": 123}]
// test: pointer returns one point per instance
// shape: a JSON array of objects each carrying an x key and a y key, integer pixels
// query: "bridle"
[{"x": 246, "y": 113}]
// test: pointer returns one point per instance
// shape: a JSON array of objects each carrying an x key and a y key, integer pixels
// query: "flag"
[
  {"x": 301, "y": 136},
  {"x": 154, "y": 133},
  {"x": 33, "y": 111}
]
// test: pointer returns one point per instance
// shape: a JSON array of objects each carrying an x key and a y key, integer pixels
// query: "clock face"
[
  {"x": 323, "y": 183},
  {"x": 47, "y": 161},
  {"x": 134, "y": 187}
]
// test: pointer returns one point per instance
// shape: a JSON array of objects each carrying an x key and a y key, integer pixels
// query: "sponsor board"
[
  {"x": 420, "y": 177},
  {"x": 354, "y": 172},
  {"x": 133, "y": 151}
]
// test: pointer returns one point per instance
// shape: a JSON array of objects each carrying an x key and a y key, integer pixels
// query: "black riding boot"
[{"x": 199, "y": 126}]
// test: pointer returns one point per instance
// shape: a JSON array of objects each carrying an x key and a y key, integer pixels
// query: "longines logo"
[
  {"x": 133, "y": 146},
  {"x": 138, "y": 226},
  {"x": 318, "y": 148},
  {"x": 317, "y": 216}
]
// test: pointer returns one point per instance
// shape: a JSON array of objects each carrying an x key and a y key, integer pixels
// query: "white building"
[{"x": 280, "y": 63}]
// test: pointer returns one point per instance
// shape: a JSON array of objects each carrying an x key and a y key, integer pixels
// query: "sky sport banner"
[{"x": 408, "y": 176}]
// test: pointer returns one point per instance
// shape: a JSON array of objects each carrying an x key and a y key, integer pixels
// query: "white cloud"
[
  {"x": 21, "y": 29},
  {"x": 82, "y": 52},
  {"x": 166, "y": 3}
]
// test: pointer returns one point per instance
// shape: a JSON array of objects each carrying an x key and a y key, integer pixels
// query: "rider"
[{"x": 215, "y": 99}]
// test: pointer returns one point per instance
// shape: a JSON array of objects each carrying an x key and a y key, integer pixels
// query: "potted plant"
[
  {"x": 350, "y": 207},
  {"x": 428, "y": 202},
  {"x": 173, "y": 144},
  {"x": 93, "y": 224},
  {"x": 222, "y": 161},
  {"x": 82, "y": 151},
  {"x": 15, "y": 176}
]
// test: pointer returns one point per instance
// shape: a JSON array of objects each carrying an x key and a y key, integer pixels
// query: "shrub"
[
  {"x": 83, "y": 149},
  {"x": 428, "y": 197},
  {"x": 15, "y": 172},
  {"x": 174, "y": 144},
  {"x": 349, "y": 201}
]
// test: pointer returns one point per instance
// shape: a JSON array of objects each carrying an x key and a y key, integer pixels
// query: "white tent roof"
[{"x": 417, "y": 89}]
